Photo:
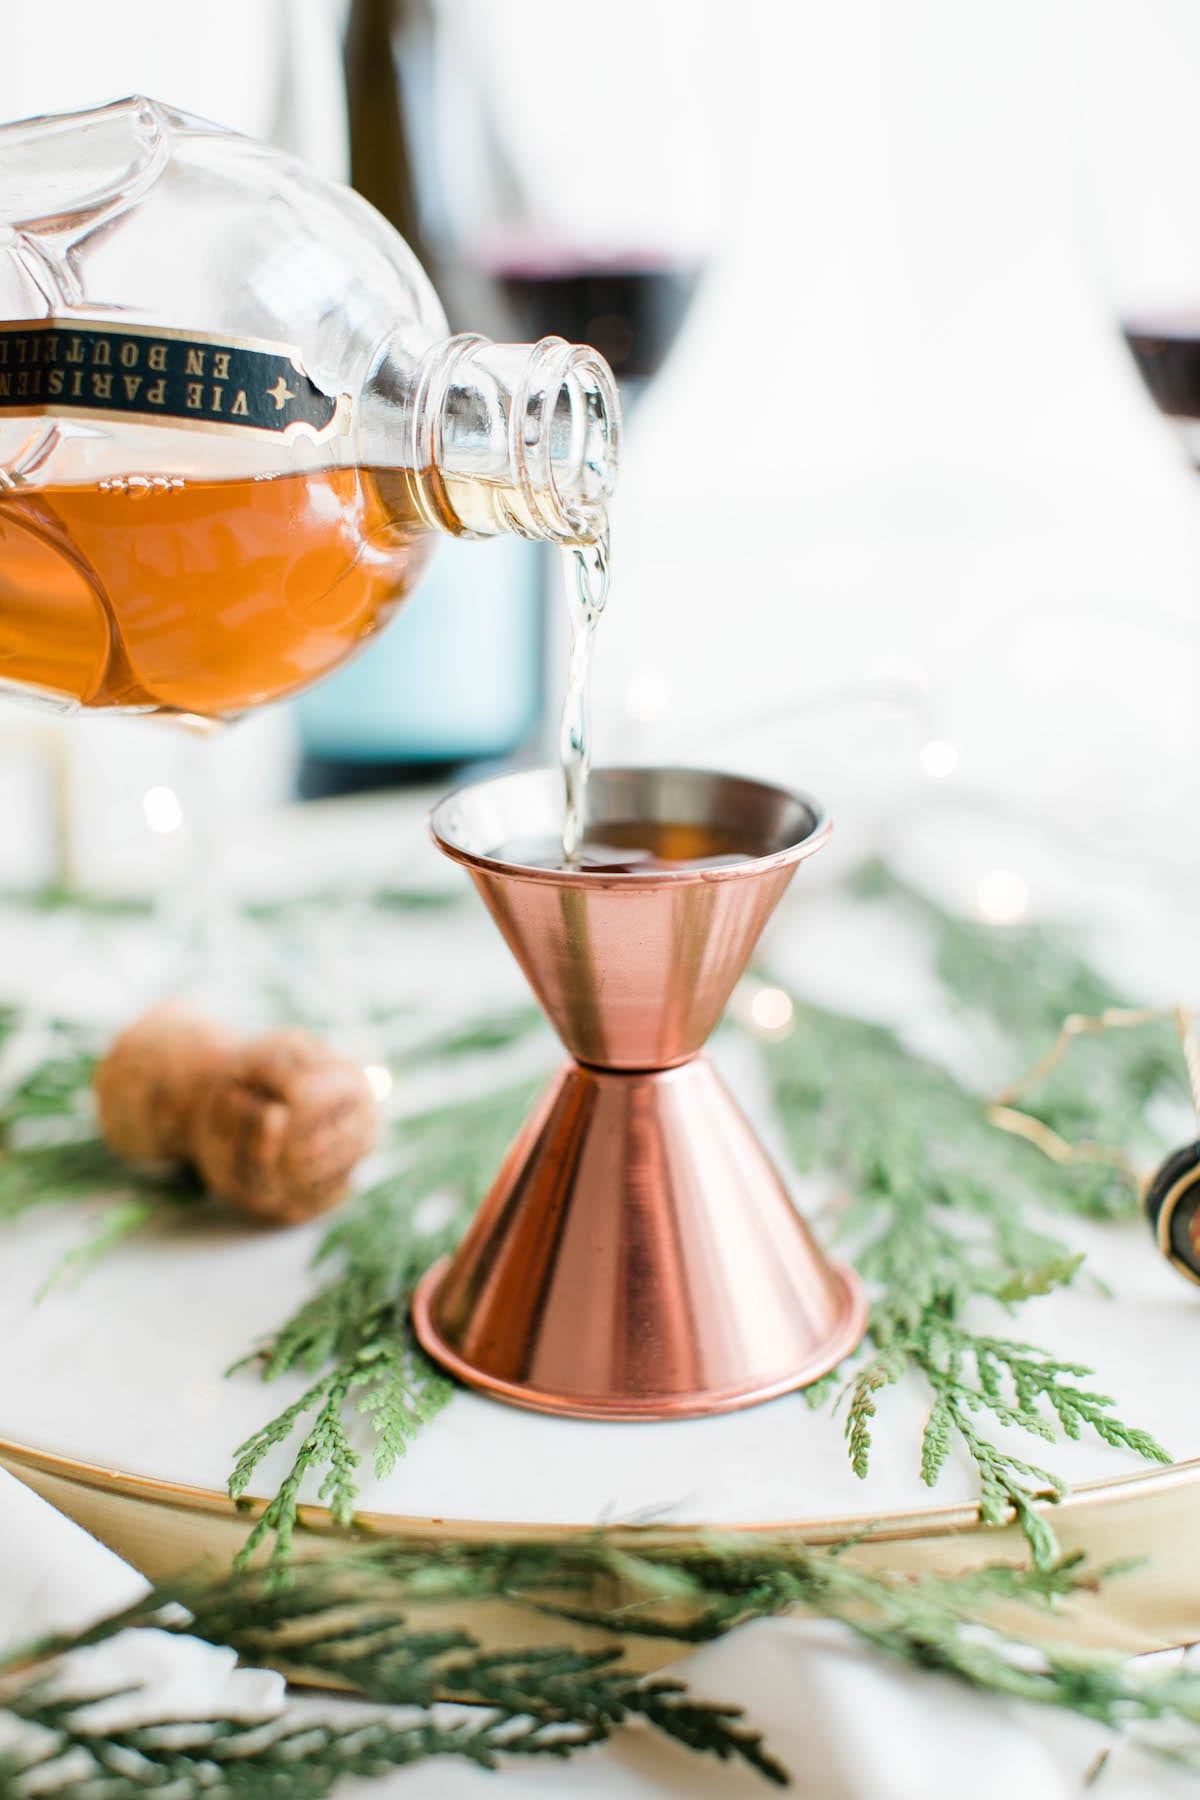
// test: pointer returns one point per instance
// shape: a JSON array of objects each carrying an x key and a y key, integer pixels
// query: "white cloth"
[
  {"x": 847, "y": 1722},
  {"x": 54, "y": 1577}
]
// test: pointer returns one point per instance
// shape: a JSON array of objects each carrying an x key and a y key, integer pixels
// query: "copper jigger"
[{"x": 638, "y": 1257}]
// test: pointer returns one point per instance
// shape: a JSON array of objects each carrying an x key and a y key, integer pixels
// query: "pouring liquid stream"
[{"x": 586, "y": 568}]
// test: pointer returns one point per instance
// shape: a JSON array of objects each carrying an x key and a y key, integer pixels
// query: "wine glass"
[
  {"x": 1138, "y": 221},
  {"x": 1139, "y": 201},
  {"x": 596, "y": 234},
  {"x": 486, "y": 136}
]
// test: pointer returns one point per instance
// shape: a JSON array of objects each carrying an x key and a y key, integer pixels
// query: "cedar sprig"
[
  {"x": 56, "y": 1088},
  {"x": 344, "y": 1617},
  {"x": 355, "y": 1333},
  {"x": 1023, "y": 981},
  {"x": 385, "y": 899},
  {"x": 220, "y": 1760},
  {"x": 696, "y": 1587},
  {"x": 50, "y": 1155},
  {"x": 945, "y": 1218}
]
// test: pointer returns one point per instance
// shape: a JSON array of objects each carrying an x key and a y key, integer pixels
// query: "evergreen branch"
[
  {"x": 400, "y": 1391},
  {"x": 481, "y": 1036},
  {"x": 381, "y": 899},
  {"x": 328, "y": 1446},
  {"x": 51, "y": 1174},
  {"x": 1026, "y": 980},
  {"x": 50, "y": 1155},
  {"x": 118, "y": 1223},
  {"x": 86, "y": 1170},
  {"x": 355, "y": 1330},
  {"x": 52, "y": 897},
  {"x": 695, "y": 1588},
  {"x": 57, "y": 1088},
  {"x": 230, "y": 1762},
  {"x": 324, "y": 1447},
  {"x": 346, "y": 1621},
  {"x": 343, "y": 1616},
  {"x": 942, "y": 1205}
]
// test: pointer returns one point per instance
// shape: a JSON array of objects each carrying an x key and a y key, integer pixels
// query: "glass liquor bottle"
[{"x": 233, "y": 424}]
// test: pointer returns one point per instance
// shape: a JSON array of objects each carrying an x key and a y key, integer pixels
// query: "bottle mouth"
[
  {"x": 540, "y": 425},
  {"x": 564, "y": 430}
]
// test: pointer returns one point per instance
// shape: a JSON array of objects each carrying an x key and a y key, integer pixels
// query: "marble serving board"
[{"x": 124, "y": 1375}]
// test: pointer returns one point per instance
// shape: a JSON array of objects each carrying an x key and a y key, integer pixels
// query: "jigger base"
[{"x": 638, "y": 1257}]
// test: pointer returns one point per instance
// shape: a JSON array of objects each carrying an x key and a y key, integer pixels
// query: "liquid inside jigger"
[{"x": 637, "y": 847}]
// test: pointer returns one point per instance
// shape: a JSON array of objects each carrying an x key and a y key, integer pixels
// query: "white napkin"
[
  {"x": 54, "y": 1577},
  {"x": 846, "y": 1721}
]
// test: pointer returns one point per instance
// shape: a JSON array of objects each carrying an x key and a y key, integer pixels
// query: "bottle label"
[{"x": 63, "y": 366}]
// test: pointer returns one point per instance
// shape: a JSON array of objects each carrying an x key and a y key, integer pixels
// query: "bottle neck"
[{"x": 514, "y": 437}]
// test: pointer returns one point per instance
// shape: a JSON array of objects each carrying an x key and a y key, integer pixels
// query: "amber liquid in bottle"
[{"x": 206, "y": 598}]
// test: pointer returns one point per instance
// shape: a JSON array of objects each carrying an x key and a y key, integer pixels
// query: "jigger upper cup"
[
  {"x": 633, "y": 971},
  {"x": 637, "y": 1257}
]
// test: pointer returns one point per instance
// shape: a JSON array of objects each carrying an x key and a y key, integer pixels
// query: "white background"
[{"x": 899, "y": 482}]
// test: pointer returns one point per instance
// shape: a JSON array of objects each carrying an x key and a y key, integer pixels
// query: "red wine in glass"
[
  {"x": 1166, "y": 349},
  {"x": 630, "y": 309}
]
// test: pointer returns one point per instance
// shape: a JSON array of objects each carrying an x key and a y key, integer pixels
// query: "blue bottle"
[{"x": 456, "y": 678}]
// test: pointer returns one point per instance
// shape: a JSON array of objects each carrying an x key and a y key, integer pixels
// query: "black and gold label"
[{"x": 61, "y": 366}]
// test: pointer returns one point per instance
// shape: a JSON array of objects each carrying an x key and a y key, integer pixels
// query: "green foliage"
[
  {"x": 52, "y": 897},
  {"x": 354, "y": 1333},
  {"x": 380, "y": 899},
  {"x": 480, "y": 1036},
  {"x": 1024, "y": 981},
  {"x": 946, "y": 1209},
  {"x": 55, "y": 1088},
  {"x": 117, "y": 1223},
  {"x": 45, "y": 1174},
  {"x": 50, "y": 1154},
  {"x": 947, "y": 1221},
  {"x": 343, "y": 1617}
]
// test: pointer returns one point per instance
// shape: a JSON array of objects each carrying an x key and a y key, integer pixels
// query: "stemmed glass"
[
  {"x": 489, "y": 136},
  {"x": 572, "y": 225},
  {"x": 1137, "y": 197},
  {"x": 547, "y": 216},
  {"x": 1139, "y": 229}
]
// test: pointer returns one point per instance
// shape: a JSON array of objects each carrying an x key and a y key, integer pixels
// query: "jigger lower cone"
[{"x": 638, "y": 1257}]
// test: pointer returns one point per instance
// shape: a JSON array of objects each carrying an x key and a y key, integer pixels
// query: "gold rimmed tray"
[
  {"x": 167, "y": 1528},
  {"x": 114, "y": 1406}
]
